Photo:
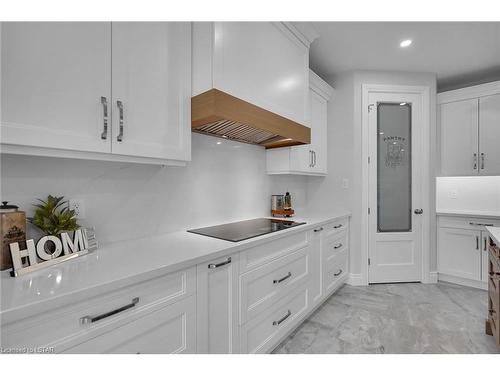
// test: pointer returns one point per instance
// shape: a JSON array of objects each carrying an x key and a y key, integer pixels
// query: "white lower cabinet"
[
  {"x": 171, "y": 329},
  {"x": 217, "y": 306},
  {"x": 242, "y": 302},
  {"x": 462, "y": 251}
]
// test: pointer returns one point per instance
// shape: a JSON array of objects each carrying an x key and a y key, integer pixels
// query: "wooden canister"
[{"x": 12, "y": 229}]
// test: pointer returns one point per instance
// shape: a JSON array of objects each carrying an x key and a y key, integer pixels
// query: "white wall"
[
  {"x": 473, "y": 194},
  {"x": 224, "y": 182}
]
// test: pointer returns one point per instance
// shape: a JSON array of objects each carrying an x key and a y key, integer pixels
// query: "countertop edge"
[
  {"x": 485, "y": 215},
  {"x": 495, "y": 233}
]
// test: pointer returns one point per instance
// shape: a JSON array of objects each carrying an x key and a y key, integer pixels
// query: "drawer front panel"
[
  {"x": 263, "y": 254},
  {"x": 494, "y": 250},
  {"x": 165, "y": 331},
  {"x": 335, "y": 227},
  {"x": 55, "y": 327},
  {"x": 467, "y": 223},
  {"x": 335, "y": 244},
  {"x": 263, "y": 286},
  {"x": 335, "y": 271},
  {"x": 493, "y": 317},
  {"x": 262, "y": 333}
]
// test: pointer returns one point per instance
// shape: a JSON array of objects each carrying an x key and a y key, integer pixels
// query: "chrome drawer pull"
[
  {"x": 480, "y": 224},
  {"x": 482, "y": 160},
  {"x": 289, "y": 274},
  {"x": 120, "y": 108},
  {"x": 92, "y": 319},
  {"x": 337, "y": 274},
  {"x": 337, "y": 226},
  {"x": 474, "y": 166},
  {"x": 278, "y": 322},
  {"x": 212, "y": 265},
  {"x": 319, "y": 229},
  {"x": 104, "y": 102},
  {"x": 338, "y": 246}
]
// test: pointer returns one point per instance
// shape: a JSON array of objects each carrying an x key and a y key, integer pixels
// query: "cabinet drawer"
[
  {"x": 263, "y": 254},
  {"x": 335, "y": 227},
  {"x": 467, "y": 222},
  {"x": 335, "y": 271},
  {"x": 494, "y": 250},
  {"x": 262, "y": 333},
  {"x": 58, "y": 327},
  {"x": 168, "y": 330},
  {"x": 494, "y": 320},
  {"x": 335, "y": 244},
  {"x": 263, "y": 286}
]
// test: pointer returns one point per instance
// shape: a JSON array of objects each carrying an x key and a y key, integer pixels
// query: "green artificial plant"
[{"x": 53, "y": 216}]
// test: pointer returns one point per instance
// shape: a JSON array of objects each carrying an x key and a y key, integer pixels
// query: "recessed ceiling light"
[{"x": 405, "y": 43}]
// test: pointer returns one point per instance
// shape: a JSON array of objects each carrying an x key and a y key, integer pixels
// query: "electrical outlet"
[
  {"x": 453, "y": 194},
  {"x": 78, "y": 205},
  {"x": 345, "y": 183}
]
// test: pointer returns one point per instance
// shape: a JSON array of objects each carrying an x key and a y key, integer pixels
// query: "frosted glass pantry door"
[{"x": 395, "y": 219}]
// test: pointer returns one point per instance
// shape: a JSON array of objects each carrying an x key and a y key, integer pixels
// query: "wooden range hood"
[{"x": 219, "y": 114}]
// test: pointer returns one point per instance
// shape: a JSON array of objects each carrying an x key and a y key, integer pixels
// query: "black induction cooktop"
[{"x": 243, "y": 230}]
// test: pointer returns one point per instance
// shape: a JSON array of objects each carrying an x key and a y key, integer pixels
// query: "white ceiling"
[{"x": 459, "y": 53}]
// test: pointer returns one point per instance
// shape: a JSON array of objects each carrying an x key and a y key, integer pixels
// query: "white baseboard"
[
  {"x": 461, "y": 281},
  {"x": 355, "y": 279},
  {"x": 433, "y": 277}
]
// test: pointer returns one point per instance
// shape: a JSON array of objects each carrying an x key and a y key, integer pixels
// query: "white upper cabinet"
[
  {"x": 308, "y": 159},
  {"x": 263, "y": 63},
  {"x": 150, "y": 79},
  {"x": 459, "y": 132},
  {"x": 53, "y": 77},
  {"x": 469, "y": 122},
  {"x": 489, "y": 135},
  {"x": 105, "y": 91}
]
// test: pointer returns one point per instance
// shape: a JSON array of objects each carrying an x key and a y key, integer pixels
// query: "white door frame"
[{"x": 424, "y": 93}]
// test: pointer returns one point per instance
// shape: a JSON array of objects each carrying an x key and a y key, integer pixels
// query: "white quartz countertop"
[
  {"x": 495, "y": 234},
  {"x": 469, "y": 213},
  {"x": 120, "y": 264}
]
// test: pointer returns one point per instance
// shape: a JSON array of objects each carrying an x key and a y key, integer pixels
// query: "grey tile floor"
[{"x": 396, "y": 318}]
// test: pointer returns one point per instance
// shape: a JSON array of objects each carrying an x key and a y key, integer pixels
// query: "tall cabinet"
[
  {"x": 469, "y": 121},
  {"x": 308, "y": 159},
  {"x": 97, "y": 90}
]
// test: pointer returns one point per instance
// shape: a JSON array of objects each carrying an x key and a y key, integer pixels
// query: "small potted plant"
[{"x": 53, "y": 216}]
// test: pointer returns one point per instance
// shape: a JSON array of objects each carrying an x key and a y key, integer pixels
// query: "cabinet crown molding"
[{"x": 472, "y": 92}]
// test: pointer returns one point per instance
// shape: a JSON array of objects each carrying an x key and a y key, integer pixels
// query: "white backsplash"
[
  {"x": 468, "y": 193},
  {"x": 225, "y": 181}
]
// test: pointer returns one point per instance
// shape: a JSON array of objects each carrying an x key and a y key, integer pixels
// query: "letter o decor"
[{"x": 42, "y": 252}]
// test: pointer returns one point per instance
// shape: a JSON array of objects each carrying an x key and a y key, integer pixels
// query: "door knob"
[{"x": 419, "y": 211}]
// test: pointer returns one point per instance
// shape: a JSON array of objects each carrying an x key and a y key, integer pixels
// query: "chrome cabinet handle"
[
  {"x": 480, "y": 224},
  {"x": 310, "y": 158},
  {"x": 337, "y": 274},
  {"x": 119, "y": 138},
  {"x": 314, "y": 158},
  {"x": 475, "y": 162},
  {"x": 338, "y": 246},
  {"x": 212, "y": 265},
  {"x": 104, "y": 102},
  {"x": 482, "y": 160},
  {"x": 337, "y": 226},
  {"x": 92, "y": 319},
  {"x": 477, "y": 242},
  {"x": 278, "y": 322},
  {"x": 288, "y": 275},
  {"x": 484, "y": 248},
  {"x": 319, "y": 229}
]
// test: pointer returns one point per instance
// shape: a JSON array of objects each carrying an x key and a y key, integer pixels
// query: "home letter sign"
[{"x": 61, "y": 249}]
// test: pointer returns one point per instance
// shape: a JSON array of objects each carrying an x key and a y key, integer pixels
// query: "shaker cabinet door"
[
  {"x": 53, "y": 75},
  {"x": 489, "y": 135},
  {"x": 459, "y": 138},
  {"x": 152, "y": 89}
]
